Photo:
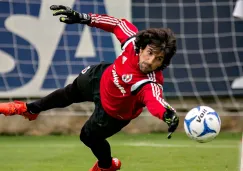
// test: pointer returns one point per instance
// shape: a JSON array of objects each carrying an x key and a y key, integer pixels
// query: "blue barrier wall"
[{"x": 39, "y": 54}]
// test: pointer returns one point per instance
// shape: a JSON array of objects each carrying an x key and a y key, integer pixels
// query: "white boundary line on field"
[
  {"x": 199, "y": 145},
  {"x": 241, "y": 154},
  {"x": 131, "y": 144}
]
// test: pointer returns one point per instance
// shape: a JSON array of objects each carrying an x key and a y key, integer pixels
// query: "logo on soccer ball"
[
  {"x": 126, "y": 78},
  {"x": 202, "y": 124}
]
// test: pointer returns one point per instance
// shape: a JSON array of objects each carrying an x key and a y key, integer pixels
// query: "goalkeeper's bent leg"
[{"x": 96, "y": 130}]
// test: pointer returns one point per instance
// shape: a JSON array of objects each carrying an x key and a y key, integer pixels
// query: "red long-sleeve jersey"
[{"x": 124, "y": 75}]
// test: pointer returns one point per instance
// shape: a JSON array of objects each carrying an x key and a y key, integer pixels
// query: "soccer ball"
[{"x": 202, "y": 124}]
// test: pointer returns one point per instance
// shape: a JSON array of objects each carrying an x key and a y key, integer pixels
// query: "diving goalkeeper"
[{"x": 119, "y": 90}]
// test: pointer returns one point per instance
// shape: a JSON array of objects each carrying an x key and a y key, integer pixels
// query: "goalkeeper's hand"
[
  {"x": 170, "y": 117},
  {"x": 70, "y": 16}
]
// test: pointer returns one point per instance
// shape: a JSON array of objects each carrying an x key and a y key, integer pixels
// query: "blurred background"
[{"x": 38, "y": 54}]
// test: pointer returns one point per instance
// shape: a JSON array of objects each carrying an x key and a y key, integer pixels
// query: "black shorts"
[
  {"x": 88, "y": 82},
  {"x": 100, "y": 125}
]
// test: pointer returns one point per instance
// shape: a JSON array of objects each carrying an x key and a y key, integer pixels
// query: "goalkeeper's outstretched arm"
[
  {"x": 122, "y": 28},
  {"x": 151, "y": 96}
]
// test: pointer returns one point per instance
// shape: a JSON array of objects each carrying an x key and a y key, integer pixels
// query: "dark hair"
[{"x": 162, "y": 39}]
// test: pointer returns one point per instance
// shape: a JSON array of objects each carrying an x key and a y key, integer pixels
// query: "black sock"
[
  {"x": 106, "y": 164},
  {"x": 102, "y": 151}
]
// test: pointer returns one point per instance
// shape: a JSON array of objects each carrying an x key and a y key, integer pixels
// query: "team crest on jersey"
[{"x": 126, "y": 78}]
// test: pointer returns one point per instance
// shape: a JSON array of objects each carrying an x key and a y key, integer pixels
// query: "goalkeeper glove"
[
  {"x": 71, "y": 16},
  {"x": 170, "y": 117}
]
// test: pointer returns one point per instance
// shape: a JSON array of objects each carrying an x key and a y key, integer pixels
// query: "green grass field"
[{"x": 144, "y": 152}]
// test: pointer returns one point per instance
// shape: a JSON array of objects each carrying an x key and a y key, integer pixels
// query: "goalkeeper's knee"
[{"x": 85, "y": 138}]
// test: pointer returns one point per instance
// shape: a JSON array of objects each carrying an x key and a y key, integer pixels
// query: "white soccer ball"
[{"x": 202, "y": 124}]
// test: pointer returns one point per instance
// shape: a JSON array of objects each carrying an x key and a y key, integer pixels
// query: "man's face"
[{"x": 150, "y": 59}]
